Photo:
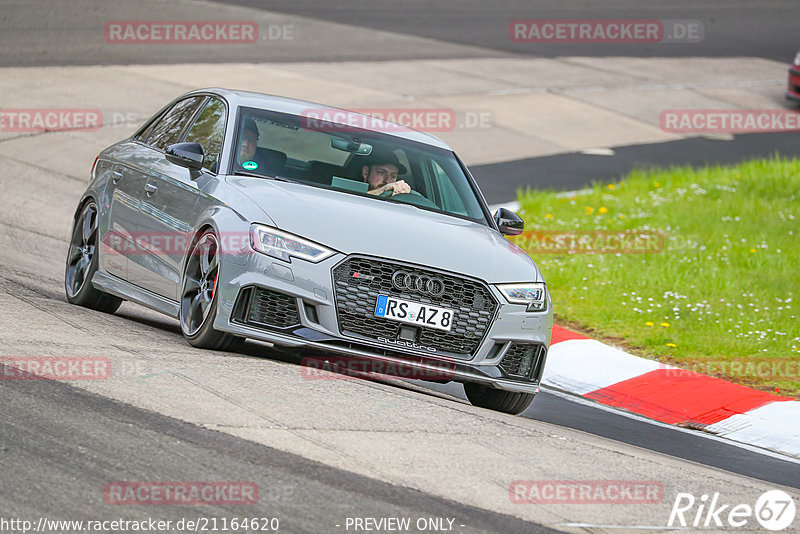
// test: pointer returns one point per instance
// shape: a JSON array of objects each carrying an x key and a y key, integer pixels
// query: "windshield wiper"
[{"x": 265, "y": 176}]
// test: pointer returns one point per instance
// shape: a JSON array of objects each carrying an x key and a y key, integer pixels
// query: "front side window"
[
  {"x": 353, "y": 161},
  {"x": 450, "y": 197},
  {"x": 209, "y": 130}
]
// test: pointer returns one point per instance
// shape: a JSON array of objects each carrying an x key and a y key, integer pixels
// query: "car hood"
[{"x": 356, "y": 225}]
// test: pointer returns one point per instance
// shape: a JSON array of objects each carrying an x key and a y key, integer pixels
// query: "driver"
[
  {"x": 249, "y": 142},
  {"x": 381, "y": 171}
]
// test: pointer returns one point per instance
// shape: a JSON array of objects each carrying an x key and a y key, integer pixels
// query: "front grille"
[
  {"x": 523, "y": 360},
  {"x": 263, "y": 307},
  {"x": 358, "y": 281}
]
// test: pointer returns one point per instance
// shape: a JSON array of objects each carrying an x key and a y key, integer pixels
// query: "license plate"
[{"x": 416, "y": 313}]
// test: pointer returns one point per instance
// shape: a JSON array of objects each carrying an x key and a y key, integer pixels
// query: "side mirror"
[
  {"x": 508, "y": 222},
  {"x": 189, "y": 155}
]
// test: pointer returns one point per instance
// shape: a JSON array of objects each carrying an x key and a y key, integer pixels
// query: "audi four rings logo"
[{"x": 420, "y": 283}]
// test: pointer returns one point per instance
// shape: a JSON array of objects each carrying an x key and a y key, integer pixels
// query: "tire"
[
  {"x": 198, "y": 302},
  {"x": 497, "y": 399},
  {"x": 82, "y": 259}
]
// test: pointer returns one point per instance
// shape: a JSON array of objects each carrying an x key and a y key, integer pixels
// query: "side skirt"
[{"x": 125, "y": 290}]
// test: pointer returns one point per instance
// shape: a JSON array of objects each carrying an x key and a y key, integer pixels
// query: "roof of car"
[{"x": 299, "y": 107}]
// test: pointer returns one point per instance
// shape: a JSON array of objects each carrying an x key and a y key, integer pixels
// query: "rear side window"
[
  {"x": 167, "y": 131},
  {"x": 142, "y": 136},
  {"x": 208, "y": 130}
]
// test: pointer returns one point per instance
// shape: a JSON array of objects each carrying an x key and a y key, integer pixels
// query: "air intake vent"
[
  {"x": 266, "y": 308},
  {"x": 523, "y": 360}
]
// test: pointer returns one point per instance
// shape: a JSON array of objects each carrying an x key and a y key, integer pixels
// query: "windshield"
[{"x": 353, "y": 161}]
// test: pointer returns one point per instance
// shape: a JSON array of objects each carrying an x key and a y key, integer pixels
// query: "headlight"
[
  {"x": 284, "y": 246},
  {"x": 534, "y": 295},
  {"x": 797, "y": 59}
]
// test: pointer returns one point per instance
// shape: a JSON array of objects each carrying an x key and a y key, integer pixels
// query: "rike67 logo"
[{"x": 774, "y": 510}]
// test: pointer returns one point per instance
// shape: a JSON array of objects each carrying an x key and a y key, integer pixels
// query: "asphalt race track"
[
  {"x": 52, "y": 34},
  {"x": 567, "y": 172},
  {"x": 70, "y": 456},
  {"x": 329, "y": 452},
  {"x": 730, "y": 28}
]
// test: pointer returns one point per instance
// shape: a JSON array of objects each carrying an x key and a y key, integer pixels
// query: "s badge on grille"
[{"x": 361, "y": 276}]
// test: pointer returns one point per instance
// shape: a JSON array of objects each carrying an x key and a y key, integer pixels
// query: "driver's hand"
[{"x": 397, "y": 188}]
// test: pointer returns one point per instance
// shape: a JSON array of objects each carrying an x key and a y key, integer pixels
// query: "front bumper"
[{"x": 295, "y": 305}]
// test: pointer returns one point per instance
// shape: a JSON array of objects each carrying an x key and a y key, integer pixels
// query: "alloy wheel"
[
  {"x": 82, "y": 248},
  {"x": 199, "y": 284}
]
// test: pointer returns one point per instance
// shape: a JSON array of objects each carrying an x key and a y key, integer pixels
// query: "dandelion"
[
  {"x": 589, "y": 210},
  {"x": 602, "y": 210},
  {"x": 548, "y": 216},
  {"x": 621, "y": 216},
  {"x": 752, "y": 250},
  {"x": 665, "y": 325},
  {"x": 649, "y": 323},
  {"x": 671, "y": 345},
  {"x": 611, "y": 186},
  {"x": 656, "y": 185}
]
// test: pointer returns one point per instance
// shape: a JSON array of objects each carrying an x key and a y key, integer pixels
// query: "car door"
[
  {"x": 168, "y": 130},
  {"x": 173, "y": 200},
  {"x": 127, "y": 172},
  {"x": 128, "y": 168}
]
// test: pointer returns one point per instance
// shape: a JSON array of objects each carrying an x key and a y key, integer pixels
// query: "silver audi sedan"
[{"x": 246, "y": 215}]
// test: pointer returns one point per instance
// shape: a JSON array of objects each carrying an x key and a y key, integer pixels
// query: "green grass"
[{"x": 719, "y": 298}]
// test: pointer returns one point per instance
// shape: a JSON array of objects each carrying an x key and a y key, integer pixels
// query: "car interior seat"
[
  {"x": 322, "y": 172},
  {"x": 272, "y": 161}
]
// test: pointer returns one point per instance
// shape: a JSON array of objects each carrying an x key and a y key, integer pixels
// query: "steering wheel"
[{"x": 415, "y": 198}]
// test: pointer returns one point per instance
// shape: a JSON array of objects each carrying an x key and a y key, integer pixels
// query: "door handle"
[
  {"x": 116, "y": 175},
  {"x": 150, "y": 188}
]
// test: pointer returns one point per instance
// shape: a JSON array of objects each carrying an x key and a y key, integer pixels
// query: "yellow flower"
[
  {"x": 611, "y": 186},
  {"x": 656, "y": 184},
  {"x": 621, "y": 216},
  {"x": 548, "y": 216},
  {"x": 673, "y": 345},
  {"x": 752, "y": 250},
  {"x": 589, "y": 210},
  {"x": 602, "y": 210},
  {"x": 649, "y": 323},
  {"x": 665, "y": 325}
]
